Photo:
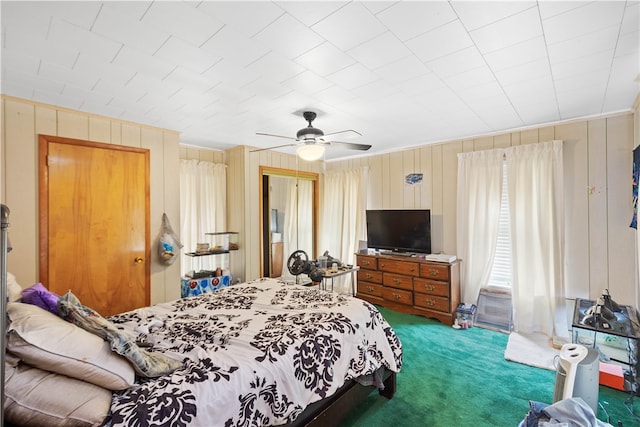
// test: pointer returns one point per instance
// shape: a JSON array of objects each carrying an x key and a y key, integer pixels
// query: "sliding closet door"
[{"x": 94, "y": 216}]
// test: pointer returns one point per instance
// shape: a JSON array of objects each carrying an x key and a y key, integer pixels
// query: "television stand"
[{"x": 410, "y": 285}]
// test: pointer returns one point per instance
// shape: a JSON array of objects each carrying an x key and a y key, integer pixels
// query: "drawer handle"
[
  {"x": 397, "y": 281},
  {"x": 430, "y": 302},
  {"x": 366, "y": 262},
  {"x": 429, "y": 288},
  {"x": 382, "y": 264},
  {"x": 396, "y": 296},
  {"x": 433, "y": 272},
  {"x": 370, "y": 288},
  {"x": 411, "y": 269},
  {"x": 368, "y": 276}
]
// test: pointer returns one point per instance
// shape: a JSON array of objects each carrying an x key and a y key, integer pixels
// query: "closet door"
[{"x": 94, "y": 223}]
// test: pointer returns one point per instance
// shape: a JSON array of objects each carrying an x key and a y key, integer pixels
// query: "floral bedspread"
[{"x": 254, "y": 354}]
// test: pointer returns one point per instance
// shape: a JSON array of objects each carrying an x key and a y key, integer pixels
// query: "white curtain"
[
  {"x": 343, "y": 216},
  {"x": 479, "y": 195},
  {"x": 536, "y": 194},
  {"x": 535, "y": 190},
  {"x": 203, "y": 206},
  {"x": 298, "y": 220}
]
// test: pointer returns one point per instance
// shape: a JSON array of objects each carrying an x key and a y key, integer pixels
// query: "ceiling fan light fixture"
[
  {"x": 310, "y": 152},
  {"x": 309, "y": 133}
]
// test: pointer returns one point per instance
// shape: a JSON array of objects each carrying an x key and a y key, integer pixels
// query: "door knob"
[{"x": 138, "y": 260}]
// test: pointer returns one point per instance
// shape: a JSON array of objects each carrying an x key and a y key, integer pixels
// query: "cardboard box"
[{"x": 611, "y": 376}]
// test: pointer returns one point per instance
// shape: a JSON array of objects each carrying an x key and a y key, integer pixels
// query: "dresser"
[{"x": 410, "y": 285}]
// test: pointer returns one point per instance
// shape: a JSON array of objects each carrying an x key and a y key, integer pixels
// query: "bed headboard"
[{"x": 4, "y": 249}]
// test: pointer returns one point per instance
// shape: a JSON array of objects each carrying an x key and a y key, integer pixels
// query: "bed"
[{"x": 258, "y": 353}]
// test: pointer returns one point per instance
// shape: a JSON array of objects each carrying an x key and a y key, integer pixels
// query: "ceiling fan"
[{"x": 312, "y": 141}]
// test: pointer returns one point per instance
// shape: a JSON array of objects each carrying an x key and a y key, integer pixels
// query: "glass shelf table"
[{"x": 623, "y": 333}]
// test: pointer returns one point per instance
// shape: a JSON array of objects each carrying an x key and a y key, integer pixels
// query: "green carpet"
[{"x": 460, "y": 378}]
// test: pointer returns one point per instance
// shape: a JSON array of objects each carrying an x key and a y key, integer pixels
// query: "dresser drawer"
[
  {"x": 397, "y": 281},
  {"x": 370, "y": 289},
  {"x": 401, "y": 267},
  {"x": 398, "y": 296},
  {"x": 368, "y": 262},
  {"x": 435, "y": 271},
  {"x": 431, "y": 287},
  {"x": 369, "y": 276},
  {"x": 432, "y": 302}
]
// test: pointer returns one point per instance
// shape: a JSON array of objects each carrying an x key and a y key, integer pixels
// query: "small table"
[
  {"x": 625, "y": 325},
  {"x": 331, "y": 275}
]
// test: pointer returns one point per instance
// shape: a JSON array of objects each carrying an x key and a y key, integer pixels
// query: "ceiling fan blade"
[
  {"x": 352, "y": 146},
  {"x": 313, "y": 136},
  {"x": 277, "y": 136},
  {"x": 273, "y": 148},
  {"x": 349, "y": 133}
]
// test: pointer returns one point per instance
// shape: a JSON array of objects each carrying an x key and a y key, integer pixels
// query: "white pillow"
[
  {"x": 48, "y": 342},
  {"x": 34, "y": 397},
  {"x": 14, "y": 289}
]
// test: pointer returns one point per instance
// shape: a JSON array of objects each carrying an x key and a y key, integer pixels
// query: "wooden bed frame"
[{"x": 330, "y": 411}]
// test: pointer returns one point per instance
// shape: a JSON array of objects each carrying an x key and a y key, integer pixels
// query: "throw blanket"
[
  {"x": 145, "y": 363},
  {"x": 254, "y": 354}
]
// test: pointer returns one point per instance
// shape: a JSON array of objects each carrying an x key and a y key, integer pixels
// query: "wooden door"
[{"x": 94, "y": 223}]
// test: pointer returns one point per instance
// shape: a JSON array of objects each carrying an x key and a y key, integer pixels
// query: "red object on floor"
[{"x": 611, "y": 376}]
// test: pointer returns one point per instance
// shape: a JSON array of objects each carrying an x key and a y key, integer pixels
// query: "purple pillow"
[{"x": 42, "y": 297}]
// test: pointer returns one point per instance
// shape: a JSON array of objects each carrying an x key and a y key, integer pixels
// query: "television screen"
[{"x": 399, "y": 230}]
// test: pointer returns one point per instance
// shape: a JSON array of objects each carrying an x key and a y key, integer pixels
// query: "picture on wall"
[{"x": 413, "y": 178}]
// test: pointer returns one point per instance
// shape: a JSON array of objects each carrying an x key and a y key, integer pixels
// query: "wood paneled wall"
[
  {"x": 599, "y": 244},
  {"x": 22, "y": 121}
]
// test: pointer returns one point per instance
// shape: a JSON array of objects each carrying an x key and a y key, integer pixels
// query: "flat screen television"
[{"x": 399, "y": 230}]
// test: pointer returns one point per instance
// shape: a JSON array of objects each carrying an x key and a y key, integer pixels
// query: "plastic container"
[
  {"x": 466, "y": 315},
  {"x": 322, "y": 262}
]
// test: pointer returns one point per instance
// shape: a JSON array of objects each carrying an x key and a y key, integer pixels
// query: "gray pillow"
[
  {"x": 48, "y": 342},
  {"x": 34, "y": 397}
]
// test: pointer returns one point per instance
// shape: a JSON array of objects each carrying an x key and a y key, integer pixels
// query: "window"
[{"x": 501, "y": 269}]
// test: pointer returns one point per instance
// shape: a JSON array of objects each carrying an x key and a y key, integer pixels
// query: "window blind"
[{"x": 501, "y": 269}]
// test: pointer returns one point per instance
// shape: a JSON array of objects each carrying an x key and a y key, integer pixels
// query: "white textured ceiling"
[{"x": 402, "y": 73}]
